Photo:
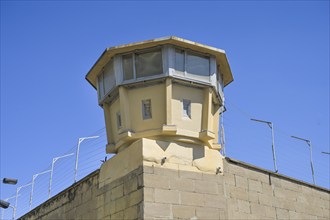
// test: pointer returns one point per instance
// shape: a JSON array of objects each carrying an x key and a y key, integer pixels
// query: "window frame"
[
  {"x": 147, "y": 50},
  {"x": 187, "y": 75}
]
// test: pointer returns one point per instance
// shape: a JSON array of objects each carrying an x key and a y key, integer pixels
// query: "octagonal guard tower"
[{"x": 164, "y": 97}]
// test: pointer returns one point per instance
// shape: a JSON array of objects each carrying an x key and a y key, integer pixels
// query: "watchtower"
[{"x": 168, "y": 92}]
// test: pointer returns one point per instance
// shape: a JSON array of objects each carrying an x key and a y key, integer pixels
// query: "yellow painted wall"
[
  {"x": 113, "y": 109},
  {"x": 156, "y": 94},
  {"x": 181, "y": 92}
]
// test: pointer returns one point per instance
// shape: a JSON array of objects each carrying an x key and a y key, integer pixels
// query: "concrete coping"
[{"x": 272, "y": 173}]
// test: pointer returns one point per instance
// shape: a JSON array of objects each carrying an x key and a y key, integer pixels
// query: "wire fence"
[
  {"x": 251, "y": 142},
  {"x": 292, "y": 160},
  {"x": 59, "y": 175}
]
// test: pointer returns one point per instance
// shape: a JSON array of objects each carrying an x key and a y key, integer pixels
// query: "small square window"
[
  {"x": 118, "y": 115},
  {"x": 146, "y": 109},
  {"x": 186, "y": 104}
]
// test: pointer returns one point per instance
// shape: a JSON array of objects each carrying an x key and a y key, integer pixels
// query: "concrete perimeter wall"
[{"x": 175, "y": 191}]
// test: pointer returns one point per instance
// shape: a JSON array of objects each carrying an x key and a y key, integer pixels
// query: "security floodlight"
[
  {"x": 4, "y": 204},
  {"x": 9, "y": 181},
  {"x": 310, "y": 154},
  {"x": 271, "y": 126},
  {"x": 325, "y": 152}
]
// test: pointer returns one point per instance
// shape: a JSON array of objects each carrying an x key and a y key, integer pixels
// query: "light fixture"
[
  {"x": 10, "y": 181},
  {"x": 4, "y": 204}
]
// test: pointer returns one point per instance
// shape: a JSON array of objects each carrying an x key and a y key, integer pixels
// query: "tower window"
[
  {"x": 197, "y": 64},
  {"x": 192, "y": 64},
  {"x": 186, "y": 104},
  {"x": 148, "y": 63},
  {"x": 146, "y": 109},
  {"x": 128, "y": 67},
  {"x": 118, "y": 115},
  {"x": 179, "y": 61}
]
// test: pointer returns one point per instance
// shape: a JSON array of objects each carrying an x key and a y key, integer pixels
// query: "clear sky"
[{"x": 278, "y": 52}]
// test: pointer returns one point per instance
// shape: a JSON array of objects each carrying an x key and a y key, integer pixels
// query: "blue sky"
[{"x": 278, "y": 52}]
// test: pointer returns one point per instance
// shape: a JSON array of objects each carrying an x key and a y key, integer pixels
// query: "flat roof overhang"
[{"x": 220, "y": 55}]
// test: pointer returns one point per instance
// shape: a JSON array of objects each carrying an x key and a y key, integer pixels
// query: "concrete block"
[
  {"x": 213, "y": 177},
  {"x": 207, "y": 213},
  {"x": 148, "y": 167},
  {"x": 148, "y": 194},
  {"x": 118, "y": 215},
  {"x": 117, "y": 192},
  {"x": 183, "y": 212},
  {"x": 238, "y": 193},
  {"x": 223, "y": 215},
  {"x": 256, "y": 175},
  {"x": 135, "y": 197},
  {"x": 130, "y": 185},
  {"x": 265, "y": 199},
  {"x": 121, "y": 203},
  {"x": 215, "y": 201},
  {"x": 131, "y": 213},
  {"x": 167, "y": 169},
  {"x": 100, "y": 200},
  {"x": 232, "y": 205},
  {"x": 156, "y": 181},
  {"x": 229, "y": 179},
  {"x": 282, "y": 213},
  {"x": 326, "y": 211},
  {"x": 295, "y": 215},
  {"x": 253, "y": 197},
  {"x": 153, "y": 210},
  {"x": 206, "y": 187},
  {"x": 236, "y": 170},
  {"x": 255, "y": 185},
  {"x": 258, "y": 210},
  {"x": 321, "y": 194},
  {"x": 221, "y": 189},
  {"x": 167, "y": 196},
  {"x": 267, "y": 189},
  {"x": 243, "y": 206},
  {"x": 284, "y": 204},
  {"x": 286, "y": 184},
  {"x": 189, "y": 172},
  {"x": 182, "y": 184},
  {"x": 99, "y": 213},
  {"x": 241, "y": 182},
  {"x": 109, "y": 208},
  {"x": 107, "y": 197},
  {"x": 188, "y": 198},
  {"x": 270, "y": 212}
]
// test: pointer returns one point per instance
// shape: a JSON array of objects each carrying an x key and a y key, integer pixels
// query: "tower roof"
[{"x": 220, "y": 55}]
